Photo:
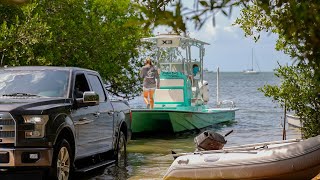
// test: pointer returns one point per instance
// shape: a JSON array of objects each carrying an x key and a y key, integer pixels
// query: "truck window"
[
  {"x": 46, "y": 83},
  {"x": 97, "y": 87},
  {"x": 81, "y": 85}
]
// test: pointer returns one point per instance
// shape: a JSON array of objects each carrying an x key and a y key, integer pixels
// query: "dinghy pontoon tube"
[{"x": 291, "y": 159}]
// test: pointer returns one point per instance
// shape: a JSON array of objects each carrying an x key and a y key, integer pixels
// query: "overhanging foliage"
[{"x": 91, "y": 34}]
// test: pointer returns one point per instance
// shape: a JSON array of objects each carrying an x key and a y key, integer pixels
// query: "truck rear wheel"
[
  {"x": 121, "y": 151},
  {"x": 62, "y": 161}
]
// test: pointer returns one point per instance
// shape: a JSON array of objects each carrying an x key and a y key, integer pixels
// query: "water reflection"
[{"x": 149, "y": 157}]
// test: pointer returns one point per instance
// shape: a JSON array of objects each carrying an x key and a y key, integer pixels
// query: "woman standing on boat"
[{"x": 149, "y": 73}]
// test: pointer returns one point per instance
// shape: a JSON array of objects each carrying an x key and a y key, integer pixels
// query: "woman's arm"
[
  {"x": 157, "y": 76},
  {"x": 141, "y": 73}
]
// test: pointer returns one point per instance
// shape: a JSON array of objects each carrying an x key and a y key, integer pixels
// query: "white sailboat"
[{"x": 251, "y": 71}]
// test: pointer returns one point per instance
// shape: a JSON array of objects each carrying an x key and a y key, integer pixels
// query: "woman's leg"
[
  {"x": 145, "y": 96},
  {"x": 151, "y": 92}
]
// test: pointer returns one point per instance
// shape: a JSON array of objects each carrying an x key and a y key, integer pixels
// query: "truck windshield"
[{"x": 48, "y": 83}]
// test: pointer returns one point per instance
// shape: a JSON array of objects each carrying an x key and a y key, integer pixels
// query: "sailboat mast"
[{"x": 252, "y": 59}]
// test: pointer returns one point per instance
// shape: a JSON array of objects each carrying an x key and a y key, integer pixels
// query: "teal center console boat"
[{"x": 180, "y": 104}]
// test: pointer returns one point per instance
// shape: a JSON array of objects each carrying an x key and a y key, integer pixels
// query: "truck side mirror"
[{"x": 90, "y": 98}]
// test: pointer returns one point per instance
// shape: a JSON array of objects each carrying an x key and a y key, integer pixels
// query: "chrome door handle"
[
  {"x": 96, "y": 114},
  {"x": 110, "y": 112}
]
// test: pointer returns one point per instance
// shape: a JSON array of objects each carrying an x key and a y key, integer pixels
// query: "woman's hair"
[{"x": 148, "y": 61}]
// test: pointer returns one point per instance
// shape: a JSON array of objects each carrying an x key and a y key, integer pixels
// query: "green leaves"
[
  {"x": 175, "y": 14},
  {"x": 204, "y": 3},
  {"x": 20, "y": 38},
  {"x": 300, "y": 92},
  {"x": 297, "y": 25},
  {"x": 91, "y": 34}
]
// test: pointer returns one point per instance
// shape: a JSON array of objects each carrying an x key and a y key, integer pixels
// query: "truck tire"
[
  {"x": 62, "y": 161},
  {"x": 121, "y": 151}
]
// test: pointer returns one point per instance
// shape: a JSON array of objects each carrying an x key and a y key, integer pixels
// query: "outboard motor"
[{"x": 208, "y": 140}]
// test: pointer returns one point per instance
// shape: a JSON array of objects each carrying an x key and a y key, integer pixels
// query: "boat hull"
[
  {"x": 298, "y": 160},
  {"x": 169, "y": 121},
  {"x": 293, "y": 120},
  {"x": 251, "y": 72}
]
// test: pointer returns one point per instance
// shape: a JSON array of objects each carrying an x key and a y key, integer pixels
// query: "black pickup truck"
[{"x": 59, "y": 120}]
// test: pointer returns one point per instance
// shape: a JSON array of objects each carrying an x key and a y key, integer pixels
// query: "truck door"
[
  {"x": 85, "y": 120},
  {"x": 106, "y": 112}
]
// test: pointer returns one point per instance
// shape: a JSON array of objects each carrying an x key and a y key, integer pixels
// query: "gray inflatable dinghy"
[{"x": 288, "y": 159}]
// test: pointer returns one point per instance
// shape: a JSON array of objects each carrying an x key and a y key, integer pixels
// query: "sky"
[{"x": 231, "y": 51}]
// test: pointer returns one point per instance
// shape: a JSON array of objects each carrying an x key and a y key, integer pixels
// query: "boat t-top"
[{"x": 180, "y": 104}]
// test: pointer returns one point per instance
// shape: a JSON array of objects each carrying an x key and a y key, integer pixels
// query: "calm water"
[{"x": 258, "y": 120}]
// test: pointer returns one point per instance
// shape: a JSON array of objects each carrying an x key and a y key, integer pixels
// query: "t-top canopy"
[
  {"x": 174, "y": 40},
  {"x": 173, "y": 53}
]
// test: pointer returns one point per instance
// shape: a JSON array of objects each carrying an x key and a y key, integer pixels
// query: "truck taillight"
[{"x": 130, "y": 116}]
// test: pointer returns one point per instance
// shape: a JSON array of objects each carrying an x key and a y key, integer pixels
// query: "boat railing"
[{"x": 226, "y": 102}]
